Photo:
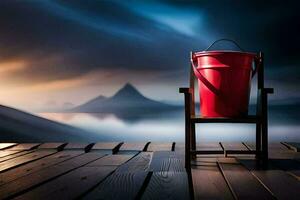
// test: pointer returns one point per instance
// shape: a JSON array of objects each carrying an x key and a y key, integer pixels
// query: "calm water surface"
[{"x": 283, "y": 126}]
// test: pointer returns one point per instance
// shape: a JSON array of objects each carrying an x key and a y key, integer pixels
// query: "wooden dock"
[{"x": 146, "y": 170}]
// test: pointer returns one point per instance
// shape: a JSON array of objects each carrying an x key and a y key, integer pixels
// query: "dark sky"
[{"x": 53, "y": 52}]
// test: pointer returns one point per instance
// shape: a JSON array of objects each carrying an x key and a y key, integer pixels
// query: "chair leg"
[
  {"x": 193, "y": 139},
  {"x": 258, "y": 141},
  {"x": 265, "y": 140},
  {"x": 187, "y": 100},
  {"x": 264, "y": 127},
  {"x": 187, "y": 146}
]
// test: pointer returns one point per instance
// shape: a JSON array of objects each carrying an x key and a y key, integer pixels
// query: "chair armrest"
[
  {"x": 185, "y": 90},
  {"x": 266, "y": 90},
  {"x": 269, "y": 90}
]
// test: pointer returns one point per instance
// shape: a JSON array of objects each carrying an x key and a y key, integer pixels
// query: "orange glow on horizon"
[{"x": 12, "y": 66}]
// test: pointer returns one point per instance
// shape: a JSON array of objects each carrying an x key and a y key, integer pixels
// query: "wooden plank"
[
  {"x": 71, "y": 185},
  {"x": 37, "y": 165},
  {"x": 166, "y": 161},
  {"x": 204, "y": 161},
  {"x": 154, "y": 146},
  {"x": 16, "y": 187},
  {"x": 6, "y": 165},
  {"x": 24, "y": 146},
  {"x": 6, "y": 145},
  {"x": 6, "y": 155},
  {"x": 289, "y": 165},
  {"x": 167, "y": 185},
  {"x": 275, "y": 146},
  {"x": 77, "y": 182},
  {"x": 128, "y": 186},
  {"x": 209, "y": 148},
  {"x": 283, "y": 158},
  {"x": 78, "y": 146},
  {"x": 52, "y": 145},
  {"x": 141, "y": 162},
  {"x": 293, "y": 145},
  {"x": 208, "y": 183},
  {"x": 107, "y": 147},
  {"x": 234, "y": 148},
  {"x": 179, "y": 147},
  {"x": 277, "y": 150},
  {"x": 280, "y": 184},
  {"x": 111, "y": 160},
  {"x": 212, "y": 160},
  {"x": 129, "y": 147},
  {"x": 242, "y": 183}
]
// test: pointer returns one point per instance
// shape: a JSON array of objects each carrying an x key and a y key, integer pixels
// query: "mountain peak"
[
  {"x": 127, "y": 99},
  {"x": 128, "y": 86},
  {"x": 128, "y": 90}
]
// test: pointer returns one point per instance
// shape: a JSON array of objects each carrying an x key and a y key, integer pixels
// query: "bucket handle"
[
  {"x": 236, "y": 44},
  {"x": 224, "y": 39},
  {"x": 202, "y": 78}
]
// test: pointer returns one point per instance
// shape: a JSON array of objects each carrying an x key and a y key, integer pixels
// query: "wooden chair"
[{"x": 260, "y": 119}]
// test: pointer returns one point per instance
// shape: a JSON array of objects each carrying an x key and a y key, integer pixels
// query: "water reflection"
[{"x": 169, "y": 126}]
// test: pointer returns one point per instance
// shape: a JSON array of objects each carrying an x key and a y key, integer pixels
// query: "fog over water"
[{"x": 283, "y": 126}]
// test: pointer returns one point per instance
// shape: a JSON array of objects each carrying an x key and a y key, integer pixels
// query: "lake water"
[{"x": 283, "y": 126}]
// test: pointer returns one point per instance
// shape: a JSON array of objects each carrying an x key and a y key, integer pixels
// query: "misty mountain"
[{"x": 127, "y": 99}]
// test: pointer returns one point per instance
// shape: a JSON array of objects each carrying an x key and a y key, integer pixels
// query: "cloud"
[
  {"x": 66, "y": 46},
  {"x": 181, "y": 20},
  {"x": 91, "y": 20},
  {"x": 8, "y": 67}
]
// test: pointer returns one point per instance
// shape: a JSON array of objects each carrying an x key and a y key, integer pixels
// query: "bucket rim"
[{"x": 218, "y": 52}]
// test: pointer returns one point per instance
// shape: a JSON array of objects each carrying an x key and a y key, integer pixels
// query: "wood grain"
[
  {"x": 167, "y": 185},
  {"x": 52, "y": 145},
  {"x": 134, "y": 174},
  {"x": 6, "y": 165},
  {"x": 208, "y": 183},
  {"x": 129, "y": 147},
  {"x": 111, "y": 160},
  {"x": 289, "y": 165},
  {"x": 107, "y": 147},
  {"x": 234, "y": 148},
  {"x": 209, "y": 146},
  {"x": 167, "y": 161},
  {"x": 24, "y": 146},
  {"x": 278, "y": 150},
  {"x": 275, "y": 146},
  {"x": 29, "y": 181},
  {"x": 281, "y": 184},
  {"x": 242, "y": 183},
  {"x": 37, "y": 165},
  {"x": 78, "y": 146},
  {"x": 70, "y": 185},
  {"x": 119, "y": 186},
  {"x": 6, "y": 145},
  {"x": 6, "y": 155},
  {"x": 141, "y": 162},
  {"x": 154, "y": 146}
]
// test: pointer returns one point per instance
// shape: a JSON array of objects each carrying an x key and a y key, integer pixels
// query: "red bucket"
[{"x": 224, "y": 79}]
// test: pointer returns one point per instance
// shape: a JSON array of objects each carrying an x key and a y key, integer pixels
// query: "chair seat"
[{"x": 244, "y": 119}]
